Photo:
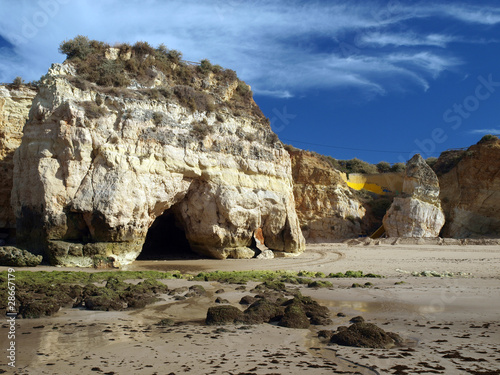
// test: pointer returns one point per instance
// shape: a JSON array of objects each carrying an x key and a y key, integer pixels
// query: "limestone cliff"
[
  {"x": 326, "y": 207},
  {"x": 15, "y": 104},
  {"x": 470, "y": 192},
  {"x": 97, "y": 166},
  {"x": 417, "y": 213}
]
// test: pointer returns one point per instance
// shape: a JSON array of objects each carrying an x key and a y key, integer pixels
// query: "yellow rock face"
[{"x": 382, "y": 183}]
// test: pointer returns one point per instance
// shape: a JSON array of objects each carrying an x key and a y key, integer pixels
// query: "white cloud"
[
  {"x": 275, "y": 93},
  {"x": 427, "y": 61},
  {"x": 406, "y": 39},
  {"x": 280, "y": 48},
  {"x": 472, "y": 13},
  {"x": 485, "y": 131}
]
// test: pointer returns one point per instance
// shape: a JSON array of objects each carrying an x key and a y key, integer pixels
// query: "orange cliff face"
[
  {"x": 326, "y": 207},
  {"x": 470, "y": 192}
]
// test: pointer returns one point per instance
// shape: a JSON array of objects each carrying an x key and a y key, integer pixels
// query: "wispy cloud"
[
  {"x": 275, "y": 93},
  {"x": 485, "y": 131},
  {"x": 471, "y": 13},
  {"x": 281, "y": 48},
  {"x": 406, "y": 39}
]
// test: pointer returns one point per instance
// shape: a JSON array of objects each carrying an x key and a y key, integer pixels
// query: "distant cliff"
[
  {"x": 470, "y": 190},
  {"x": 417, "y": 212},
  {"x": 326, "y": 206}
]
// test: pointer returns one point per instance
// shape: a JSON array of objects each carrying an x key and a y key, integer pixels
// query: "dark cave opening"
[{"x": 166, "y": 240}]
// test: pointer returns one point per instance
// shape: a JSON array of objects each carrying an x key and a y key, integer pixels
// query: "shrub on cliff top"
[
  {"x": 79, "y": 47},
  {"x": 398, "y": 167},
  {"x": 383, "y": 167},
  {"x": 447, "y": 161},
  {"x": 138, "y": 60},
  {"x": 357, "y": 166},
  {"x": 431, "y": 161},
  {"x": 142, "y": 62},
  {"x": 488, "y": 138},
  {"x": 205, "y": 66},
  {"x": 17, "y": 83}
]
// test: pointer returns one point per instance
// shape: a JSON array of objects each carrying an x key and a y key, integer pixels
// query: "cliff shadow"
[{"x": 166, "y": 240}]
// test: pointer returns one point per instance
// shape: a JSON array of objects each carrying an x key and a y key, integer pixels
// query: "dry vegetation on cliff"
[
  {"x": 156, "y": 73},
  {"x": 355, "y": 165},
  {"x": 450, "y": 158}
]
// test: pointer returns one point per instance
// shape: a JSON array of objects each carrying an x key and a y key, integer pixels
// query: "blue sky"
[{"x": 377, "y": 80}]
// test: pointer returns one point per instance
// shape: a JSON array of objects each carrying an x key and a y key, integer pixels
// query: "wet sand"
[{"x": 450, "y": 325}]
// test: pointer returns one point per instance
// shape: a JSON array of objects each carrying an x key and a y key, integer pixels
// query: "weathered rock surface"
[
  {"x": 225, "y": 314},
  {"x": 14, "y": 257},
  {"x": 365, "y": 335},
  {"x": 299, "y": 312},
  {"x": 470, "y": 193},
  {"x": 14, "y": 108},
  {"x": 326, "y": 207},
  {"x": 417, "y": 213},
  {"x": 96, "y": 168}
]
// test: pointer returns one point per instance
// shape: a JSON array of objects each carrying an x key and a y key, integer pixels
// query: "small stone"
[
  {"x": 266, "y": 254},
  {"x": 357, "y": 319}
]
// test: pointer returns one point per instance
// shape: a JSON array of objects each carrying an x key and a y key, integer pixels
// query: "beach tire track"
[{"x": 321, "y": 258}]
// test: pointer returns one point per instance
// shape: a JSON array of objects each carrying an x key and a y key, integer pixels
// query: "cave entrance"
[{"x": 166, "y": 240}]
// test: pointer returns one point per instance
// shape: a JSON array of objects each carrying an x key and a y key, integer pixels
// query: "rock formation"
[
  {"x": 98, "y": 165},
  {"x": 15, "y": 104},
  {"x": 326, "y": 207},
  {"x": 470, "y": 192},
  {"x": 417, "y": 213},
  {"x": 14, "y": 257}
]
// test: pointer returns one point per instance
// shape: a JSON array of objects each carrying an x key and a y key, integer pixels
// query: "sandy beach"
[{"x": 449, "y": 325}]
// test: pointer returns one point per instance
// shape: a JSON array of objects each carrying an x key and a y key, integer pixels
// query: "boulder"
[
  {"x": 364, "y": 335},
  {"x": 247, "y": 300},
  {"x": 294, "y": 317},
  {"x": 417, "y": 212},
  {"x": 266, "y": 254},
  {"x": 262, "y": 311},
  {"x": 13, "y": 257},
  {"x": 224, "y": 314}
]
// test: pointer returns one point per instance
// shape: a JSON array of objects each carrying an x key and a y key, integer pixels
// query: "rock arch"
[{"x": 166, "y": 239}]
